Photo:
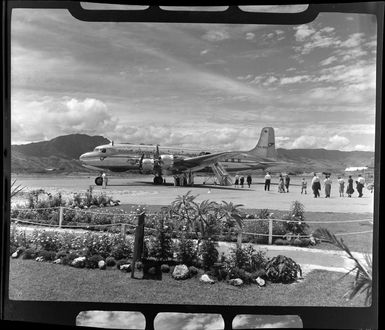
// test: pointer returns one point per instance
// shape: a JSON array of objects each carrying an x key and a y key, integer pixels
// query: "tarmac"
[{"x": 141, "y": 190}]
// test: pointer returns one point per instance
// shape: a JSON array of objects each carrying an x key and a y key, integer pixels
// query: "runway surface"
[{"x": 140, "y": 190}]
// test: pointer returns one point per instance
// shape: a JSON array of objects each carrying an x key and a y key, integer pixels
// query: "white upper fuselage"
[{"x": 126, "y": 157}]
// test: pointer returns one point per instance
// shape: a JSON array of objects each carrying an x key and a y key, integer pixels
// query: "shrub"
[
  {"x": 186, "y": 251},
  {"x": 282, "y": 269},
  {"x": 236, "y": 272},
  {"x": 161, "y": 247},
  {"x": 110, "y": 261},
  {"x": 47, "y": 255},
  {"x": 121, "y": 250},
  {"x": 29, "y": 254},
  {"x": 92, "y": 262},
  {"x": 61, "y": 254},
  {"x": 209, "y": 253},
  {"x": 193, "y": 270},
  {"x": 165, "y": 268},
  {"x": 69, "y": 258},
  {"x": 139, "y": 265},
  {"x": 246, "y": 258},
  {"x": 263, "y": 214},
  {"x": 295, "y": 223}
]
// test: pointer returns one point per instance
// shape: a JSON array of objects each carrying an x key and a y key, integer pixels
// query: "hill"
[{"x": 61, "y": 154}]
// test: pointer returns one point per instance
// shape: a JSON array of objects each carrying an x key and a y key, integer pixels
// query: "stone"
[
  {"x": 39, "y": 259},
  {"x": 112, "y": 203},
  {"x": 57, "y": 261},
  {"x": 236, "y": 282},
  {"x": 85, "y": 207},
  {"x": 93, "y": 207},
  {"x": 180, "y": 272},
  {"x": 260, "y": 281},
  {"x": 206, "y": 279},
  {"x": 125, "y": 268},
  {"x": 77, "y": 262},
  {"x": 102, "y": 264},
  {"x": 15, "y": 254}
]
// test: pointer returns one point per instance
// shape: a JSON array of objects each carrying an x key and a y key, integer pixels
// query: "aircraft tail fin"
[{"x": 266, "y": 144}]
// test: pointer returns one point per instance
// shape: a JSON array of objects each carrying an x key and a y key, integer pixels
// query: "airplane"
[{"x": 181, "y": 163}]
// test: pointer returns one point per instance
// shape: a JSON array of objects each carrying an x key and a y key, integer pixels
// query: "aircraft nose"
[{"x": 83, "y": 157}]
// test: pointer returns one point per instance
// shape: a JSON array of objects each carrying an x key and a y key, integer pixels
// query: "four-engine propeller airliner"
[{"x": 181, "y": 163}]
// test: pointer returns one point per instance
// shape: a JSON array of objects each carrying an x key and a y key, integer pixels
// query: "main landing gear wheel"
[
  {"x": 158, "y": 180},
  {"x": 99, "y": 181}
]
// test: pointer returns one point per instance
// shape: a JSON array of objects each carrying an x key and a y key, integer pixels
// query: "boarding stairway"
[{"x": 222, "y": 176}]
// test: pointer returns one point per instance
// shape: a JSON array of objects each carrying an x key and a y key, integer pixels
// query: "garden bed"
[{"x": 31, "y": 280}]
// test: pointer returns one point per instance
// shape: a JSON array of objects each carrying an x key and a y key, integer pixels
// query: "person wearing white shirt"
[
  {"x": 316, "y": 185},
  {"x": 267, "y": 181},
  {"x": 328, "y": 186},
  {"x": 360, "y": 184},
  {"x": 341, "y": 184}
]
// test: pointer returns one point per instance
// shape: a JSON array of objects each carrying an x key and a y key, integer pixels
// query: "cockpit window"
[{"x": 103, "y": 150}]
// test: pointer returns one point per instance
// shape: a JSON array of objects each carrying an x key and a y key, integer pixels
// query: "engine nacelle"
[
  {"x": 147, "y": 165},
  {"x": 166, "y": 162}
]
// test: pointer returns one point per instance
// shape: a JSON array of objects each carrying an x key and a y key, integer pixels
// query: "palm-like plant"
[
  {"x": 363, "y": 278},
  {"x": 15, "y": 189},
  {"x": 232, "y": 213}
]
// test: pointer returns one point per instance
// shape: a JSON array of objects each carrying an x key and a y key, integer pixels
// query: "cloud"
[
  {"x": 361, "y": 147},
  {"x": 64, "y": 115},
  {"x": 354, "y": 40},
  {"x": 185, "y": 321},
  {"x": 250, "y": 36},
  {"x": 270, "y": 81},
  {"x": 328, "y": 60},
  {"x": 337, "y": 142},
  {"x": 295, "y": 79},
  {"x": 205, "y": 51},
  {"x": 302, "y": 32},
  {"x": 216, "y": 35}
]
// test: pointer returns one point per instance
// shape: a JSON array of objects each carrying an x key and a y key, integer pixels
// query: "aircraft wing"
[{"x": 208, "y": 159}]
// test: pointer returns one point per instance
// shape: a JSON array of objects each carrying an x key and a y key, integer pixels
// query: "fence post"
[
  {"x": 139, "y": 241},
  {"x": 270, "y": 231},
  {"x": 123, "y": 230},
  {"x": 239, "y": 239},
  {"x": 60, "y": 216}
]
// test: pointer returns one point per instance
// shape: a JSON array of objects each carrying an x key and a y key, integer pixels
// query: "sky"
[
  {"x": 207, "y": 86},
  {"x": 184, "y": 321}
]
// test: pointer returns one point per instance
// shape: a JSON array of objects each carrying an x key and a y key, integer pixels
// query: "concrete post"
[
  {"x": 270, "y": 231},
  {"x": 60, "y": 216}
]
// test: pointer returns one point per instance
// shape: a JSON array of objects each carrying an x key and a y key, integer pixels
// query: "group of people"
[
  {"x": 316, "y": 185},
  {"x": 240, "y": 181},
  {"x": 284, "y": 184}
]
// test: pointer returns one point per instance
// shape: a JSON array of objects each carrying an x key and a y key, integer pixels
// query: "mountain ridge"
[{"x": 62, "y": 154}]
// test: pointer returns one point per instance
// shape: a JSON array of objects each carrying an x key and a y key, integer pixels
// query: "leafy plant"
[
  {"x": 281, "y": 269},
  {"x": 162, "y": 245},
  {"x": 186, "y": 251},
  {"x": 208, "y": 252},
  {"x": 47, "y": 255},
  {"x": 295, "y": 224},
  {"x": 246, "y": 258},
  {"x": 110, "y": 261},
  {"x": 93, "y": 261},
  {"x": 29, "y": 254},
  {"x": 363, "y": 277},
  {"x": 16, "y": 189}
]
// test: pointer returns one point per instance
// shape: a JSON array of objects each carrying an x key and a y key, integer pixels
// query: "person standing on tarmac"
[
  {"x": 242, "y": 180},
  {"x": 104, "y": 178},
  {"x": 341, "y": 184},
  {"x": 248, "y": 179},
  {"x": 303, "y": 186},
  {"x": 360, "y": 184},
  {"x": 349, "y": 189},
  {"x": 316, "y": 185},
  {"x": 287, "y": 182},
  {"x": 236, "y": 182},
  {"x": 328, "y": 186},
  {"x": 267, "y": 181}
]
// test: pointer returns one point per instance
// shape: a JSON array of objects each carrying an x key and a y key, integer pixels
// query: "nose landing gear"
[
  {"x": 158, "y": 180},
  {"x": 99, "y": 181}
]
